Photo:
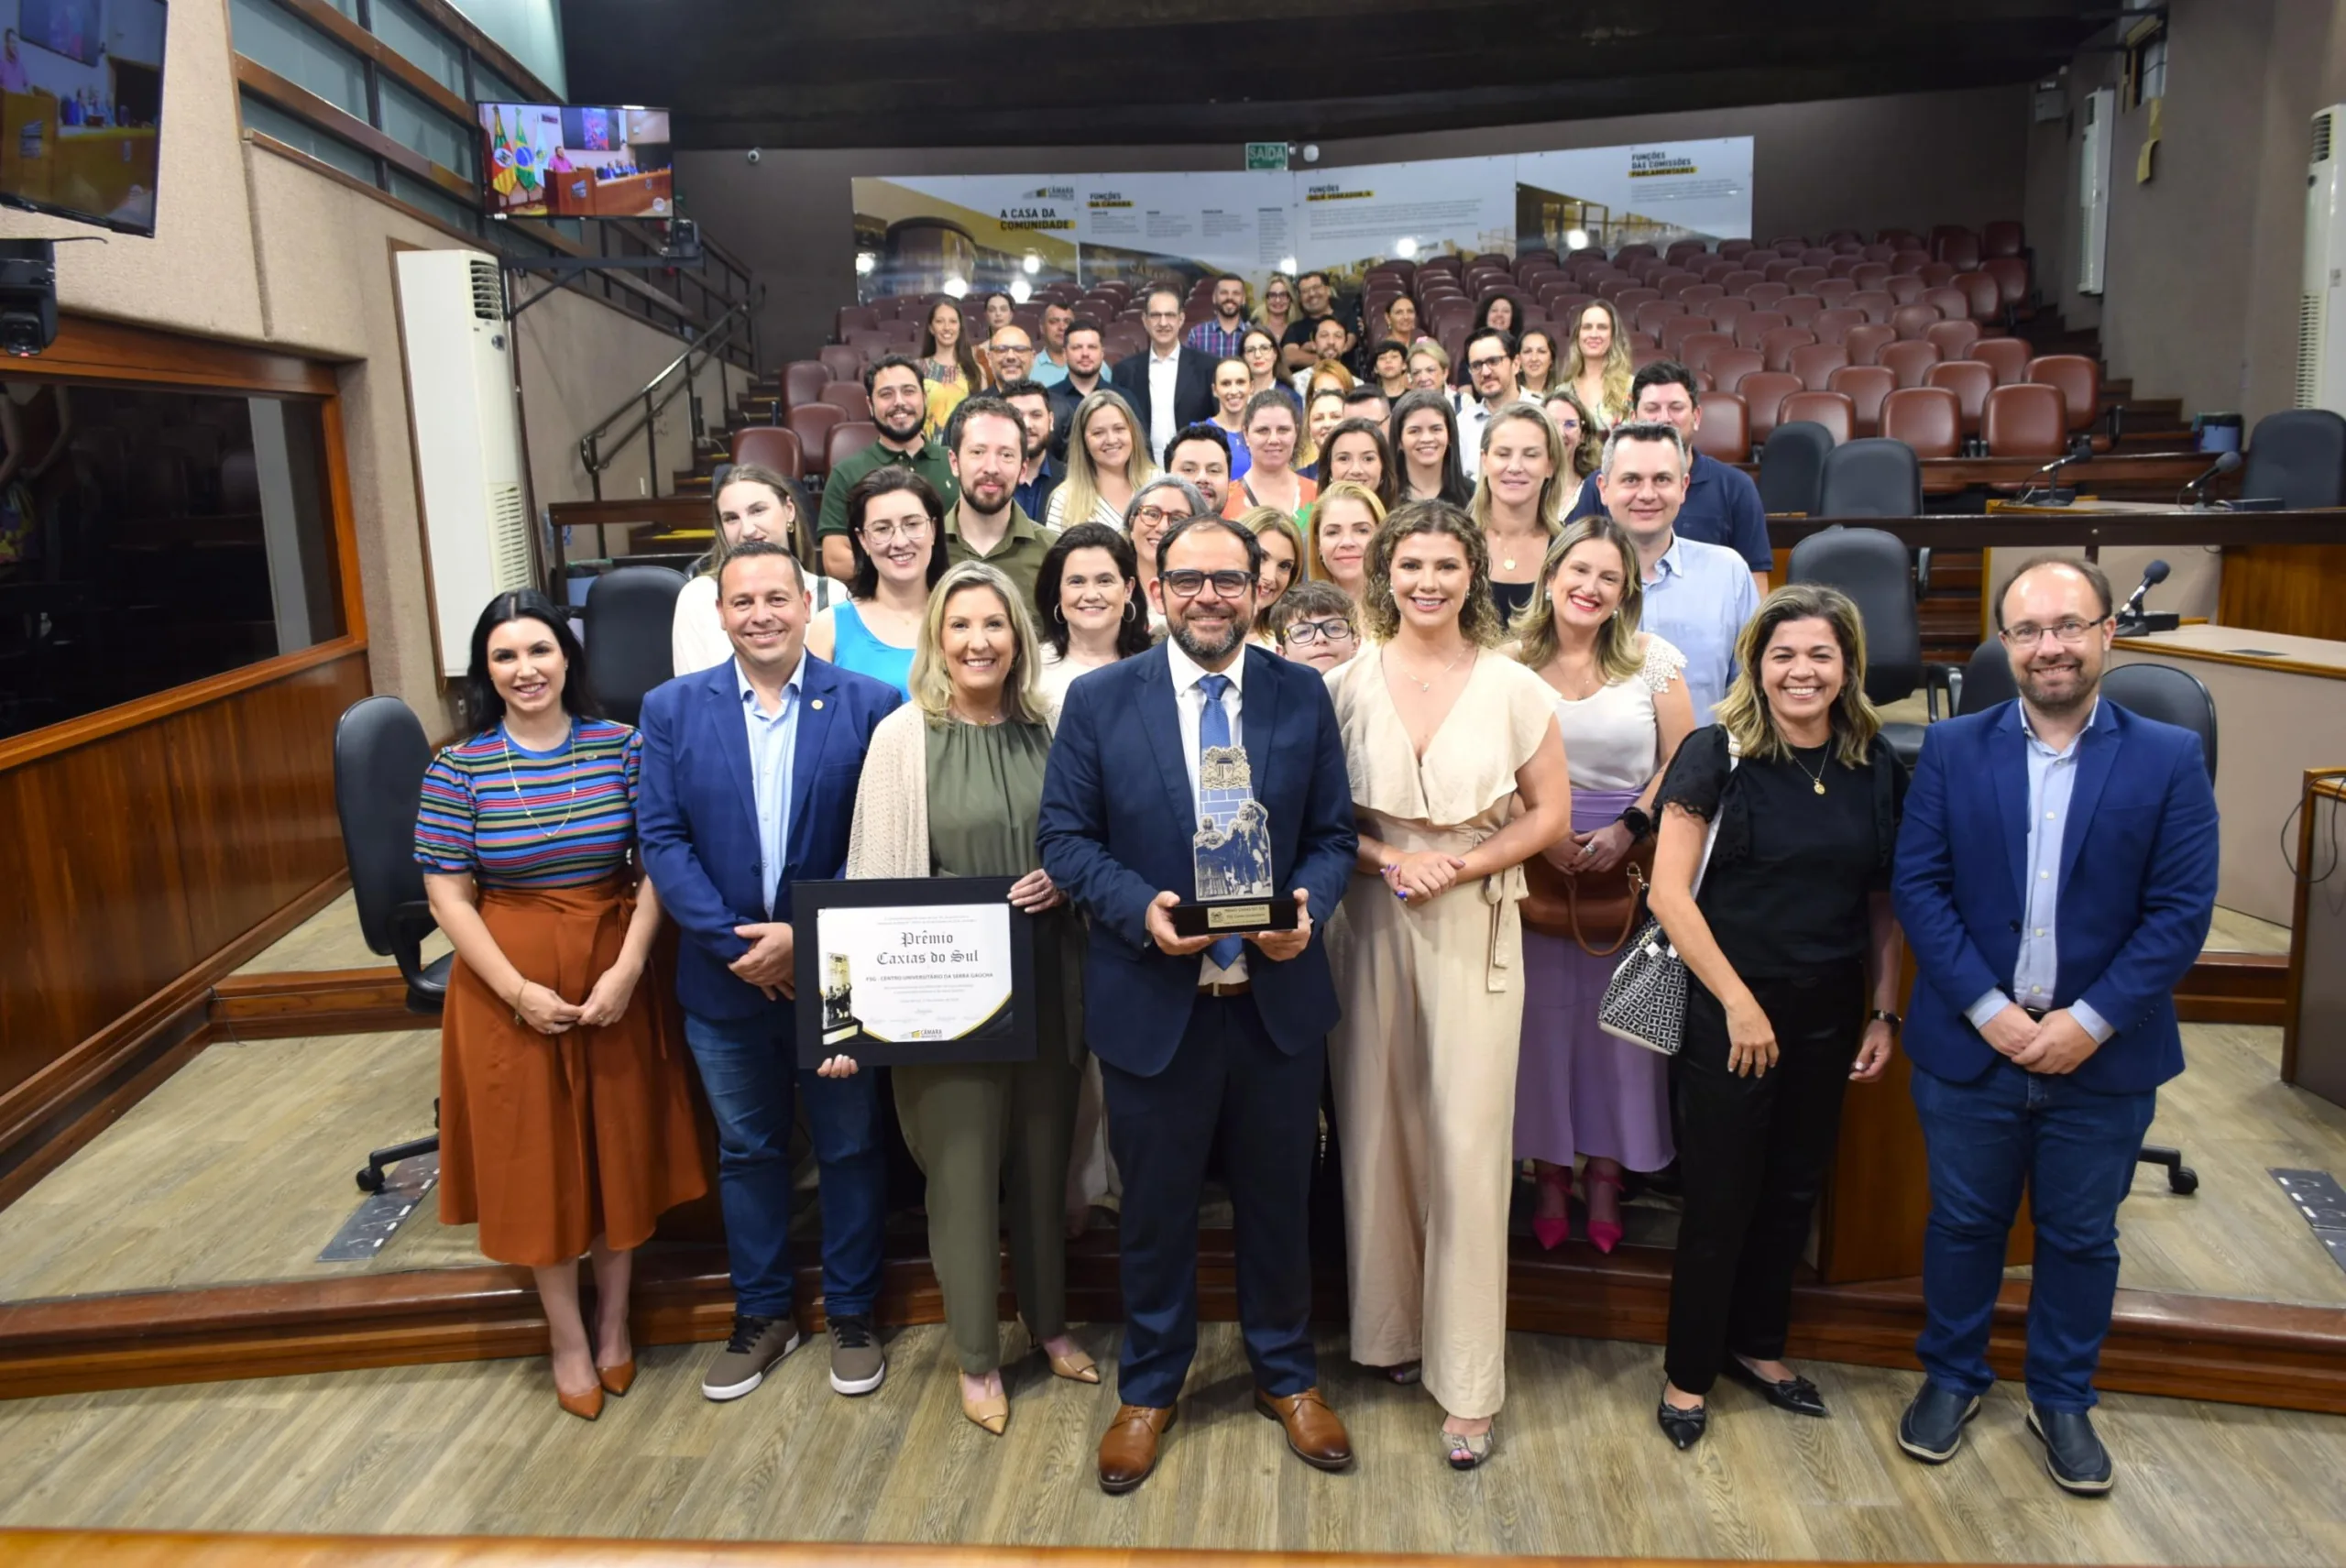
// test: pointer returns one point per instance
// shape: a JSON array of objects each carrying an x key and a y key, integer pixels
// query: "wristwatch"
[
  {"x": 1883, "y": 1015},
  {"x": 1640, "y": 825}
]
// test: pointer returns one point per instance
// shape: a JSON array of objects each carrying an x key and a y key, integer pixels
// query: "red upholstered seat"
[
  {"x": 1777, "y": 347},
  {"x": 1909, "y": 360},
  {"x": 850, "y": 398},
  {"x": 1725, "y": 431},
  {"x": 2079, "y": 380},
  {"x": 1729, "y": 365},
  {"x": 1866, "y": 343},
  {"x": 2026, "y": 419},
  {"x": 1830, "y": 409},
  {"x": 1955, "y": 338},
  {"x": 846, "y": 440},
  {"x": 1815, "y": 362},
  {"x": 1970, "y": 382},
  {"x": 1866, "y": 386},
  {"x": 814, "y": 423},
  {"x": 1926, "y": 418},
  {"x": 771, "y": 446},
  {"x": 2007, "y": 357},
  {"x": 1762, "y": 395}
]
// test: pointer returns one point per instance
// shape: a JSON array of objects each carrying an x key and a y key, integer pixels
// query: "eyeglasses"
[
  {"x": 1020, "y": 348},
  {"x": 1488, "y": 362},
  {"x": 1160, "y": 315},
  {"x": 1155, "y": 517},
  {"x": 1304, "y": 633},
  {"x": 2068, "y": 633},
  {"x": 883, "y": 534},
  {"x": 1187, "y": 583}
]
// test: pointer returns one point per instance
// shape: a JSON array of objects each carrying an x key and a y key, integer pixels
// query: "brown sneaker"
[
  {"x": 856, "y": 1365},
  {"x": 756, "y": 1345},
  {"x": 1312, "y": 1429},
  {"x": 1128, "y": 1448}
]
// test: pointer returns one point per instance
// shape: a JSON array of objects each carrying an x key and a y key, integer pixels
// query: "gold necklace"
[
  {"x": 1816, "y": 779},
  {"x": 1427, "y": 686},
  {"x": 522, "y": 801}
]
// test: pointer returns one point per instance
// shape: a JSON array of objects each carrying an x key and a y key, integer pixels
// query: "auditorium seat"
[
  {"x": 1970, "y": 381},
  {"x": 1791, "y": 468},
  {"x": 1696, "y": 349},
  {"x": 1764, "y": 296},
  {"x": 1752, "y": 326},
  {"x": 2007, "y": 357},
  {"x": 1702, "y": 294},
  {"x": 1733, "y": 249},
  {"x": 1674, "y": 283},
  {"x": 802, "y": 381},
  {"x": 1734, "y": 282},
  {"x": 1777, "y": 347},
  {"x": 1834, "y": 290},
  {"x": 1627, "y": 300},
  {"x": 846, "y": 439},
  {"x": 814, "y": 423},
  {"x": 1915, "y": 321},
  {"x": 1832, "y": 324},
  {"x": 2079, "y": 380},
  {"x": 1653, "y": 313},
  {"x": 1642, "y": 354},
  {"x": 1906, "y": 288},
  {"x": 1956, "y": 246},
  {"x": 1763, "y": 395},
  {"x": 2001, "y": 238},
  {"x": 1927, "y": 419},
  {"x": 1777, "y": 268},
  {"x": 851, "y": 318},
  {"x": 1866, "y": 343},
  {"x": 1676, "y": 330},
  {"x": 1804, "y": 280},
  {"x": 1872, "y": 567},
  {"x": 1725, "y": 313},
  {"x": 1729, "y": 365},
  {"x": 1955, "y": 338},
  {"x": 1800, "y": 310},
  {"x": 1909, "y": 259},
  {"x": 1870, "y": 276},
  {"x": 849, "y": 396},
  {"x": 1986, "y": 302},
  {"x": 1876, "y": 304},
  {"x": 1812, "y": 362},
  {"x": 1865, "y": 386},
  {"x": 1872, "y": 476},
  {"x": 1909, "y": 361},
  {"x": 1725, "y": 431},
  {"x": 1843, "y": 267},
  {"x": 1934, "y": 274},
  {"x": 844, "y": 364},
  {"x": 2025, "y": 419},
  {"x": 771, "y": 446},
  {"x": 2011, "y": 274},
  {"x": 1832, "y": 410},
  {"x": 2298, "y": 456}
]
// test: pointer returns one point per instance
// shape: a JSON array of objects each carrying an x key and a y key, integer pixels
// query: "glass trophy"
[{"x": 1231, "y": 855}]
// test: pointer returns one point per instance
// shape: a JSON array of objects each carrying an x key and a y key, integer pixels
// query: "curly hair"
[{"x": 1479, "y": 615}]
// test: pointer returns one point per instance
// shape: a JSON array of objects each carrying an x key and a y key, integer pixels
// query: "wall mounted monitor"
[
  {"x": 575, "y": 160},
  {"x": 80, "y": 109}
]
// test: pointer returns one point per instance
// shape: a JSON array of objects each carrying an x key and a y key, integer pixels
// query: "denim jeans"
[
  {"x": 746, "y": 1067},
  {"x": 2074, "y": 1151}
]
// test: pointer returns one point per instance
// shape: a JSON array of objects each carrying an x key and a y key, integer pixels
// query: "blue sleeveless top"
[{"x": 854, "y": 647}]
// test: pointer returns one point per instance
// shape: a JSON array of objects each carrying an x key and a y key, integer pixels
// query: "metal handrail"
[{"x": 646, "y": 404}]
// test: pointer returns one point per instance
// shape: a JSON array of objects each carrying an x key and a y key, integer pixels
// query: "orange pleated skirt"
[{"x": 548, "y": 1141}]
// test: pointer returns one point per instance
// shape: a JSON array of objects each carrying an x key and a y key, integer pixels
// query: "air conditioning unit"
[
  {"x": 2093, "y": 188},
  {"x": 467, "y": 439},
  {"x": 2321, "y": 320}
]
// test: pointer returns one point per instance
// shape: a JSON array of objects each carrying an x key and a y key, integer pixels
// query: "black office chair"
[
  {"x": 1871, "y": 568},
  {"x": 2298, "y": 457},
  {"x": 1986, "y": 680},
  {"x": 630, "y": 617},
  {"x": 1791, "y": 466},
  {"x": 379, "y": 755},
  {"x": 1872, "y": 478}
]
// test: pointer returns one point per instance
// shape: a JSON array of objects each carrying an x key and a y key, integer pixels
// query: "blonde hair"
[
  {"x": 1260, "y": 521},
  {"x": 1552, "y": 493},
  {"x": 1617, "y": 658},
  {"x": 1432, "y": 349},
  {"x": 1341, "y": 490},
  {"x": 1478, "y": 616},
  {"x": 1620, "y": 368},
  {"x": 932, "y": 684},
  {"x": 1082, "y": 485},
  {"x": 1744, "y": 714}
]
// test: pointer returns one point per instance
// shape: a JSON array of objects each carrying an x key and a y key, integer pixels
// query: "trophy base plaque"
[{"x": 1234, "y": 918}]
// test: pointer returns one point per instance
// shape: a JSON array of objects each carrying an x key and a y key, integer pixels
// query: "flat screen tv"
[
  {"x": 80, "y": 109},
  {"x": 575, "y": 160}
]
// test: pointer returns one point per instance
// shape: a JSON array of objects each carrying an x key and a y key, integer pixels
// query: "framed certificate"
[{"x": 894, "y": 973}]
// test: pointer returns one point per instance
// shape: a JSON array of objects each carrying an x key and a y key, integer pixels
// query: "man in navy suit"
[
  {"x": 2056, "y": 876},
  {"x": 1169, "y": 384},
  {"x": 749, "y": 773},
  {"x": 1204, "y": 1037}
]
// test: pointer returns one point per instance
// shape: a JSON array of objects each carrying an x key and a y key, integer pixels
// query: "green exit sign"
[{"x": 1267, "y": 155}]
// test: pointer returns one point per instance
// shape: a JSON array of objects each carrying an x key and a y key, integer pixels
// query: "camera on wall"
[
  {"x": 755, "y": 156},
  {"x": 28, "y": 296}
]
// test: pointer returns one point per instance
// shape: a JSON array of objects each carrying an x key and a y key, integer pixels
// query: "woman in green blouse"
[{"x": 951, "y": 786}]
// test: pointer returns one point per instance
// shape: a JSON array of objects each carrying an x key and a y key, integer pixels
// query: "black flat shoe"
[
  {"x": 1797, "y": 1395},
  {"x": 2074, "y": 1456},
  {"x": 1932, "y": 1427},
  {"x": 1683, "y": 1427}
]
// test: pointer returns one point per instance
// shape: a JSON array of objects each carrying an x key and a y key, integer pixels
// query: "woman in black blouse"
[{"x": 1789, "y": 935}]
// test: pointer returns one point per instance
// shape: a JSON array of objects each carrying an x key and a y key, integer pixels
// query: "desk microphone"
[
  {"x": 2131, "y": 621},
  {"x": 2225, "y": 463},
  {"x": 2053, "y": 494}
]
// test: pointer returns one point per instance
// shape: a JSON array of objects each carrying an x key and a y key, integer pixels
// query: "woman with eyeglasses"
[
  {"x": 1260, "y": 351},
  {"x": 1278, "y": 311},
  {"x": 1156, "y": 507},
  {"x": 896, "y": 523}
]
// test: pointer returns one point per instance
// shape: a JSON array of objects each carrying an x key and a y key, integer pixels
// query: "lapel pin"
[{"x": 818, "y": 704}]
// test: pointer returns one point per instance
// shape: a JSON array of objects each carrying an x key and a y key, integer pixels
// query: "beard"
[
  {"x": 906, "y": 425},
  {"x": 2064, "y": 689},
  {"x": 1206, "y": 651}
]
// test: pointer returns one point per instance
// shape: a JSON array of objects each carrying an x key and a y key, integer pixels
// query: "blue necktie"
[{"x": 1214, "y": 730}]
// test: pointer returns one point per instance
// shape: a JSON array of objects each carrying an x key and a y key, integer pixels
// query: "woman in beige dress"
[{"x": 1458, "y": 778}]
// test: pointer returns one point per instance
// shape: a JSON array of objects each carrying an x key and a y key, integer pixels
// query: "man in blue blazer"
[
  {"x": 749, "y": 773},
  {"x": 1201, "y": 1038},
  {"x": 2056, "y": 876}
]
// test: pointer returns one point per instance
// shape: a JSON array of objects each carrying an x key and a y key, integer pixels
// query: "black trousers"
[{"x": 1753, "y": 1153}]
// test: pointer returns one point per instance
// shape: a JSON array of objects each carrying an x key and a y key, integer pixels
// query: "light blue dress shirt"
[
  {"x": 773, "y": 745},
  {"x": 1697, "y": 600},
  {"x": 2051, "y": 777},
  {"x": 1047, "y": 371}
]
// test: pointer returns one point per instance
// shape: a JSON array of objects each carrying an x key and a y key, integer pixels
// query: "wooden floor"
[
  {"x": 239, "y": 1168},
  {"x": 329, "y": 940},
  {"x": 1579, "y": 1469}
]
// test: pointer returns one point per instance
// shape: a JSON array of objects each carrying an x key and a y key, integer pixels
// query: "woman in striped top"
[{"x": 565, "y": 1119}]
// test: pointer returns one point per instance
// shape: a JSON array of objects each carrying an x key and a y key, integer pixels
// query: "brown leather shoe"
[
  {"x": 1128, "y": 1448},
  {"x": 1318, "y": 1438}
]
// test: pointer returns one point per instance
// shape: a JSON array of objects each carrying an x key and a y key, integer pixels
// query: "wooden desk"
[
  {"x": 2195, "y": 572},
  {"x": 2313, "y": 1034},
  {"x": 2150, "y": 477},
  {"x": 2276, "y": 717}
]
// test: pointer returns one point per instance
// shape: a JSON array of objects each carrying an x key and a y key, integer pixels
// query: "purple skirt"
[{"x": 1577, "y": 1089}]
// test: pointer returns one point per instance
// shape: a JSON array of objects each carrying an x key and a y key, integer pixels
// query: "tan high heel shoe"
[
  {"x": 585, "y": 1407},
  {"x": 617, "y": 1380},
  {"x": 1076, "y": 1369},
  {"x": 990, "y": 1411}
]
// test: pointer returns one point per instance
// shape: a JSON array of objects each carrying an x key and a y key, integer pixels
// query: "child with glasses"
[{"x": 1316, "y": 623}]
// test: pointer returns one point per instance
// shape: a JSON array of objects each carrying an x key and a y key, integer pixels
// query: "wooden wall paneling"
[
  {"x": 2299, "y": 589},
  {"x": 252, "y": 779},
  {"x": 347, "y": 585},
  {"x": 90, "y": 348},
  {"x": 317, "y": 1002}
]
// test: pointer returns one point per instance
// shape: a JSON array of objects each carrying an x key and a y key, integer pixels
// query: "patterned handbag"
[{"x": 1645, "y": 1001}]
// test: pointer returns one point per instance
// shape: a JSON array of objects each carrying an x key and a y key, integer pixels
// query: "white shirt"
[
  {"x": 1190, "y": 704},
  {"x": 1473, "y": 417},
  {"x": 1164, "y": 376}
]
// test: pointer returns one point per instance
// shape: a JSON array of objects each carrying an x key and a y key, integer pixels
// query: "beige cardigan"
[{"x": 890, "y": 835}]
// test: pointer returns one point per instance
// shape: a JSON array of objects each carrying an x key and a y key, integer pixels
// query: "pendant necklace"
[
  {"x": 1816, "y": 779},
  {"x": 1427, "y": 686}
]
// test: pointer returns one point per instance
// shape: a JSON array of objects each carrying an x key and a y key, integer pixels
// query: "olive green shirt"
[
  {"x": 929, "y": 463},
  {"x": 1019, "y": 555}
]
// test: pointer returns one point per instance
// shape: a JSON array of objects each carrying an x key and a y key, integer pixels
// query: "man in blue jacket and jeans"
[{"x": 2055, "y": 875}]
